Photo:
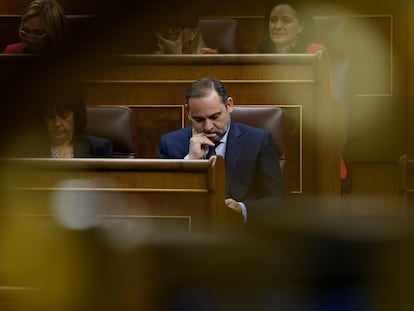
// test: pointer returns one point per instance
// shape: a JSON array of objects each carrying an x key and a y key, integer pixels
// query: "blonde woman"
[{"x": 43, "y": 29}]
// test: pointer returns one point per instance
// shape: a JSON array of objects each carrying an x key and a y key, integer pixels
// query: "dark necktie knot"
[{"x": 212, "y": 150}]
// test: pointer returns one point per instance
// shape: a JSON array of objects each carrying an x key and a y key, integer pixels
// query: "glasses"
[{"x": 31, "y": 34}]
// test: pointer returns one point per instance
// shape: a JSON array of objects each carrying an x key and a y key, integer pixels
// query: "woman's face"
[
  {"x": 33, "y": 36},
  {"x": 60, "y": 126},
  {"x": 284, "y": 27}
]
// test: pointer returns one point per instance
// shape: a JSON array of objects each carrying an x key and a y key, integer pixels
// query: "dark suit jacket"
[
  {"x": 253, "y": 173},
  {"x": 89, "y": 147},
  {"x": 93, "y": 147}
]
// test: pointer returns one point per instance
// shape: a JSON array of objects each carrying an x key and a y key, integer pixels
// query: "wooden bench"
[{"x": 163, "y": 195}]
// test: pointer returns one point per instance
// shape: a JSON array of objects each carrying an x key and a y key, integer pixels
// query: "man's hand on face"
[{"x": 199, "y": 143}]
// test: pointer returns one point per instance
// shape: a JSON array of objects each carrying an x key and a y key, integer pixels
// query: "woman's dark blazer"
[
  {"x": 88, "y": 147},
  {"x": 93, "y": 147}
]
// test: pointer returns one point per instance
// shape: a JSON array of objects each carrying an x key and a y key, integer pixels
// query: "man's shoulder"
[
  {"x": 178, "y": 133},
  {"x": 244, "y": 128}
]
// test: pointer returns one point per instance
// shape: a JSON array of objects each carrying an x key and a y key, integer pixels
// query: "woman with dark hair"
[
  {"x": 287, "y": 29},
  {"x": 43, "y": 29},
  {"x": 66, "y": 122}
]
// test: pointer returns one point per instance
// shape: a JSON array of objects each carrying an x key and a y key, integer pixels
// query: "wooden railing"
[{"x": 164, "y": 194}]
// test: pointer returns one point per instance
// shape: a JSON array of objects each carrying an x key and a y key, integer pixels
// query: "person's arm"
[
  {"x": 99, "y": 147},
  {"x": 174, "y": 145},
  {"x": 106, "y": 150},
  {"x": 163, "y": 149},
  {"x": 166, "y": 46},
  {"x": 199, "y": 143},
  {"x": 238, "y": 207}
]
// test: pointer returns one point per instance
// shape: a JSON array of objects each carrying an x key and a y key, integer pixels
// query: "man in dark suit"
[{"x": 253, "y": 177}]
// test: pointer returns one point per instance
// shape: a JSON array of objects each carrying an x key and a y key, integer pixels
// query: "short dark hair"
[
  {"x": 202, "y": 87},
  {"x": 58, "y": 102}
]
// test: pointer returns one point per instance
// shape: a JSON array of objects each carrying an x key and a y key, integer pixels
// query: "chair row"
[
  {"x": 118, "y": 123},
  {"x": 227, "y": 35}
]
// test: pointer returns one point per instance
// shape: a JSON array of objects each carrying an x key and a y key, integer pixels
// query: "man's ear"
[
  {"x": 187, "y": 110},
  {"x": 230, "y": 104}
]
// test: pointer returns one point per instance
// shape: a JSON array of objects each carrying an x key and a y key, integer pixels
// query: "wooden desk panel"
[{"x": 160, "y": 191}]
